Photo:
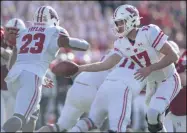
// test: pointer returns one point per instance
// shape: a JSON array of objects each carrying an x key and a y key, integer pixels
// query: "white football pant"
[
  {"x": 78, "y": 100},
  {"x": 28, "y": 97}
]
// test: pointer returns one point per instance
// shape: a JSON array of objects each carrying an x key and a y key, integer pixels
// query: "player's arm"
[
  {"x": 158, "y": 40},
  {"x": 73, "y": 43},
  {"x": 170, "y": 57},
  {"x": 12, "y": 58},
  {"x": 183, "y": 78},
  {"x": 101, "y": 66}
]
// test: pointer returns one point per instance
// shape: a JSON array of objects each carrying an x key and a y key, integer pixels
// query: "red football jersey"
[{"x": 178, "y": 105}]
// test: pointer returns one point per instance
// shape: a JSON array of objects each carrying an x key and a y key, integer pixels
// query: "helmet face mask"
[{"x": 119, "y": 27}]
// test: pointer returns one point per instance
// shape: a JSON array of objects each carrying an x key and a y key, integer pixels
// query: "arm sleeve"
[
  {"x": 108, "y": 54},
  {"x": 116, "y": 49},
  {"x": 63, "y": 32},
  {"x": 156, "y": 37},
  {"x": 181, "y": 65},
  {"x": 59, "y": 31}
]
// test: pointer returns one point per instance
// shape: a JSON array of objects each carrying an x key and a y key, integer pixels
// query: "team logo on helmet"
[
  {"x": 53, "y": 15},
  {"x": 132, "y": 11}
]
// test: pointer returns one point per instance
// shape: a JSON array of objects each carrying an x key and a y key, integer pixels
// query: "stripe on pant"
[
  {"x": 33, "y": 98},
  {"x": 122, "y": 117}
]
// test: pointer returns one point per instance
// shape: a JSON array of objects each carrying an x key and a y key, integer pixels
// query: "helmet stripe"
[
  {"x": 16, "y": 22},
  {"x": 116, "y": 12},
  {"x": 38, "y": 14},
  {"x": 42, "y": 14}
]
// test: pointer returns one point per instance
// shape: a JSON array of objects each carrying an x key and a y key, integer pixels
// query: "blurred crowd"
[{"x": 91, "y": 20}]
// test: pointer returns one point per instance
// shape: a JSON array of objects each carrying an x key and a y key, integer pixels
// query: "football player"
[
  {"x": 9, "y": 96},
  {"x": 148, "y": 47},
  {"x": 34, "y": 48},
  {"x": 175, "y": 120}
]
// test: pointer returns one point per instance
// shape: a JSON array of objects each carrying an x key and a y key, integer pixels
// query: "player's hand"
[
  {"x": 142, "y": 73},
  {"x": 81, "y": 69},
  {"x": 48, "y": 83}
]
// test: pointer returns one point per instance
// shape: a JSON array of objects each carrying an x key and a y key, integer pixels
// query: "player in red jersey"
[{"x": 176, "y": 119}]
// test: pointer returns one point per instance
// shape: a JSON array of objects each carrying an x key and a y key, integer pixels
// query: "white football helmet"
[
  {"x": 47, "y": 15},
  {"x": 15, "y": 23},
  {"x": 128, "y": 14}
]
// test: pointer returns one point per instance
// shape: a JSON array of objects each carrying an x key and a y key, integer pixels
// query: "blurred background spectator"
[{"x": 91, "y": 20}]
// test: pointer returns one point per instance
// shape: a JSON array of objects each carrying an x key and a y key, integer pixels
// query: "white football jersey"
[
  {"x": 94, "y": 78},
  {"x": 145, "y": 51},
  {"x": 36, "y": 48},
  {"x": 124, "y": 71}
]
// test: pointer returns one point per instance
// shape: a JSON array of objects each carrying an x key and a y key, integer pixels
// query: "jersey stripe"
[
  {"x": 116, "y": 49},
  {"x": 156, "y": 38},
  {"x": 63, "y": 33},
  {"x": 159, "y": 40},
  {"x": 162, "y": 98}
]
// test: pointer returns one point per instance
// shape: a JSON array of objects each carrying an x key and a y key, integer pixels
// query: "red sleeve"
[{"x": 182, "y": 63}]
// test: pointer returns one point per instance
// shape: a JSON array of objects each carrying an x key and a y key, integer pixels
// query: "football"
[{"x": 65, "y": 68}]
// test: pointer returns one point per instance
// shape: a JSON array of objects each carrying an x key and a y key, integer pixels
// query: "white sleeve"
[
  {"x": 58, "y": 32},
  {"x": 63, "y": 32},
  {"x": 108, "y": 54},
  {"x": 117, "y": 49},
  {"x": 156, "y": 37}
]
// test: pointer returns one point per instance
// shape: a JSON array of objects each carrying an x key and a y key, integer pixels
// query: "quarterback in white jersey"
[
  {"x": 79, "y": 98},
  {"x": 35, "y": 48},
  {"x": 148, "y": 47},
  {"x": 114, "y": 99}
]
